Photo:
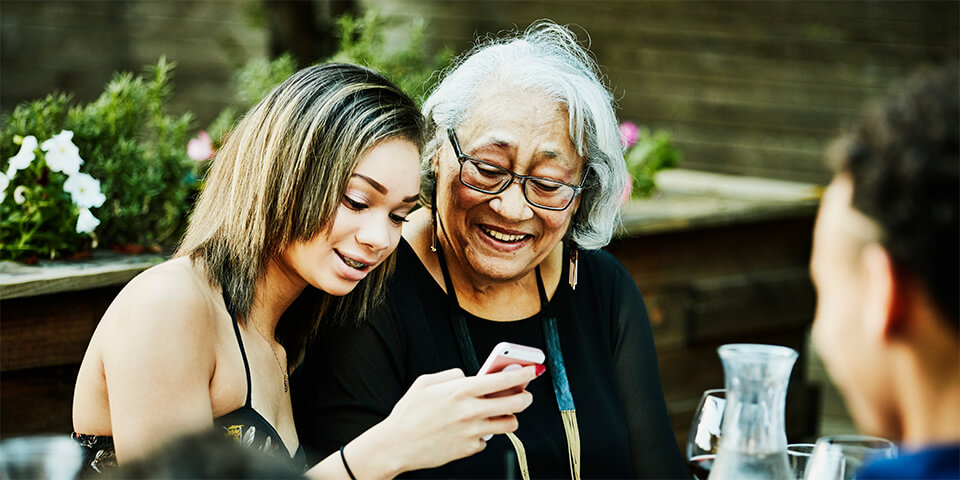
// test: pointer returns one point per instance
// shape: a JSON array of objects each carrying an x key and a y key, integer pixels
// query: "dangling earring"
[
  {"x": 433, "y": 205},
  {"x": 574, "y": 260},
  {"x": 433, "y": 238}
]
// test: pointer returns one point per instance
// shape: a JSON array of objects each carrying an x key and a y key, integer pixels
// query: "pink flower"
[
  {"x": 200, "y": 148},
  {"x": 629, "y": 133},
  {"x": 627, "y": 190}
]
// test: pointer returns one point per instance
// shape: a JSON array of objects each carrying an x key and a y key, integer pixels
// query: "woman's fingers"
[
  {"x": 439, "y": 377},
  {"x": 498, "y": 425},
  {"x": 445, "y": 416},
  {"x": 501, "y": 406},
  {"x": 495, "y": 382}
]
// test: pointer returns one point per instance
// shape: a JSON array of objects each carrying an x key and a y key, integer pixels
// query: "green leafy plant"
[
  {"x": 125, "y": 140},
  {"x": 646, "y": 154},
  {"x": 363, "y": 41}
]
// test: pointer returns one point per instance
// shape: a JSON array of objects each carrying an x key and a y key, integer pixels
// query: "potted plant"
[{"x": 110, "y": 173}]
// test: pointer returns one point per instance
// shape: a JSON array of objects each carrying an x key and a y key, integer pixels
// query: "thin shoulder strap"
[{"x": 243, "y": 353}]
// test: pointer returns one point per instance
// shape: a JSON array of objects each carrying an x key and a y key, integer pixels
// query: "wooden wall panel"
[
  {"x": 77, "y": 46},
  {"x": 705, "y": 287},
  {"x": 746, "y": 87}
]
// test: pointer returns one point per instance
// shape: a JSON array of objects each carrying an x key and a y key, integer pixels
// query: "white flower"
[
  {"x": 62, "y": 154},
  {"x": 84, "y": 190},
  {"x": 11, "y": 172},
  {"x": 23, "y": 158},
  {"x": 18, "y": 194},
  {"x": 86, "y": 222},
  {"x": 4, "y": 181}
]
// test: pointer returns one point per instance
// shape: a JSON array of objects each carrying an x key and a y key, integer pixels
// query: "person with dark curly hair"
[{"x": 885, "y": 266}]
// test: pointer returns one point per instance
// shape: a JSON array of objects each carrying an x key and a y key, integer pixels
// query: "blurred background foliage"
[
  {"x": 129, "y": 142},
  {"x": 362, "y": 40}
]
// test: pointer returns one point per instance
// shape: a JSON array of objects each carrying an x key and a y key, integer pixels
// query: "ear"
[
  {"x": 884, "y": 294},
  {"x": 576, "y": 206},
  {"x": 435, "y": 162}
]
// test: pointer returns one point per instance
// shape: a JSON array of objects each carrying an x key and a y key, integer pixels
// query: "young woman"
[{"x": 302, "y": 205}]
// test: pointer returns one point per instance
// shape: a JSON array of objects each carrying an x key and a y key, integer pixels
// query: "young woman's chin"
[
  {"x": 342, "y": 280},
  {"x": 337, "y": 288}
]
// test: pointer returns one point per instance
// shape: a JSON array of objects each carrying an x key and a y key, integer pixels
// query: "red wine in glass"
[{"x": 700, "y": 465}]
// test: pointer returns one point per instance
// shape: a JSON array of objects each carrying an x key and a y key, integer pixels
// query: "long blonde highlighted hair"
[{"x": 280, "y": 178}]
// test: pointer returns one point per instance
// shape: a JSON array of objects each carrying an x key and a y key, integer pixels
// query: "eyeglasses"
[{"x": 492, "y": 179}]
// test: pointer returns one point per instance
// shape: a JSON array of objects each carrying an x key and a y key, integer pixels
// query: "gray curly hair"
[{"x": 545, "y": 58}]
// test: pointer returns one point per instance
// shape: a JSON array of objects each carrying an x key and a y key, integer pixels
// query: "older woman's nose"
[
  {"x": 375, "y": 235},
  {"x": 511, "y": 204}
]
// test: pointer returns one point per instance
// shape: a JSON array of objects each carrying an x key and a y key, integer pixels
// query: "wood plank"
[
  {"x": 672, "y": 259},
  {"x": 708, "y": 77},
  {"x": 726, "y": 307},
  {"x": 745, "y": 159},
  {"x": 769, "y": 138},
  {"x": 769, "y": 47},
  {"x": 682, "y": 106},
  {"x": 694, "y": 182},
  {"x": 666, "y": 309},
  {"x": 678, "y": 213},
  {"x": 656, "y": 216},
  {"x": 37, "y": 401},
  {"x": 50, "y": 330},
  {"x": 716, "y": 13},
  {"x": 851, "y": 21},
  {"x": 104, "y": 269}
]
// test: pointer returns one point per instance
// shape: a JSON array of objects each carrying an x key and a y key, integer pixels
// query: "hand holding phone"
[{"x": 510, "y": 356}]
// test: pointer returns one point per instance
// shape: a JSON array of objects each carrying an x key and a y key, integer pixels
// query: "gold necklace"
[{"x": 286, "y": 382}]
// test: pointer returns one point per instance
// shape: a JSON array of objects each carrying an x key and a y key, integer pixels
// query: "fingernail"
[{"x": 540, "y": 369}]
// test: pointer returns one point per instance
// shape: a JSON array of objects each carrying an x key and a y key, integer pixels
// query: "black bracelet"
[{"x": 347, "y": 467}]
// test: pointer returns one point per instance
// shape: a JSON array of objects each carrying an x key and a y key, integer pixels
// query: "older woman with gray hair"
[{"x": 520, "y": 187}]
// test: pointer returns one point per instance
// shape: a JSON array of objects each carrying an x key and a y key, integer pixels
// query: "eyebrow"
[
  {"x": 383, "y": 190},
  {"x": 501, "y": 143}
]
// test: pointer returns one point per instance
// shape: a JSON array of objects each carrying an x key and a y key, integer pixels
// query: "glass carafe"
[{"x": 754, "y": 441}]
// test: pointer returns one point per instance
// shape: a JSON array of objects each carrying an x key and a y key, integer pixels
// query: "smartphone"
[
  {"x": 506, "y": 354},
  {"x": 510, "y": 356}
]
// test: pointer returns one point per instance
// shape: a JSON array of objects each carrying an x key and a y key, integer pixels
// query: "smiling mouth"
[
  {"x": 352, "y": 263},
  {"x": 503, "y": 237}
]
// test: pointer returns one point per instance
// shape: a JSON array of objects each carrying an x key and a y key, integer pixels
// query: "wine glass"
[
  {"x": 799, "y": 456},
  {"x": 704, "y": 436},
  {"x": 839, "y": 457}
]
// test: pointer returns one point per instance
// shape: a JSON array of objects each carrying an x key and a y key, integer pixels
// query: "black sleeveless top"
[{"x": 244, "y": 424}]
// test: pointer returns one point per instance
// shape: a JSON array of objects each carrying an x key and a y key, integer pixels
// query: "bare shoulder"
[{"x": 173, "y": 298}]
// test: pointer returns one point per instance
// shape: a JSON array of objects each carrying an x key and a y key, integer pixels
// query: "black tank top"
[{"x": 244, "y": 424}]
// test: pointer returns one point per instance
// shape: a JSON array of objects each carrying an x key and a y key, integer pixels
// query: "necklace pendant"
[{"x": 286, "y": 385}]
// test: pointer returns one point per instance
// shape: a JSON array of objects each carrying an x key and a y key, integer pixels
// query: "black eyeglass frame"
[{"x": 462, "y": 157}]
